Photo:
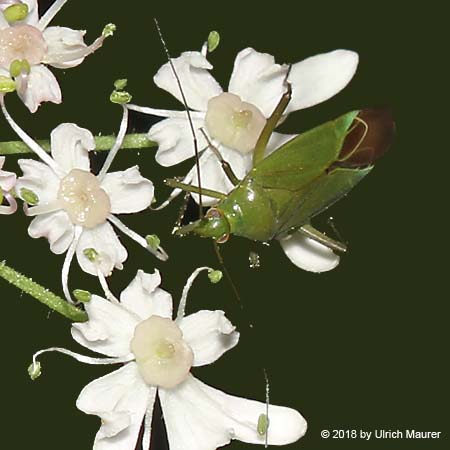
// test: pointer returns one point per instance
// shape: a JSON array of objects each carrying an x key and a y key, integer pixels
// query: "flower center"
[
  {"x": 83, "y": 199},
  {"x": 21, "y": 42},
  {"x": 163, "y": 357},
  {"x": 234, "y": 123}
]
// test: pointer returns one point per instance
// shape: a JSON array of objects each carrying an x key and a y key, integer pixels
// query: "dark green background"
[{"x": 362, "y": 347}]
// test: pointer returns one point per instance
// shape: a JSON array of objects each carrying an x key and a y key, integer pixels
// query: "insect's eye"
[
  {"x": 214, "y": 213},
  {"x": 224, "y": 238}
]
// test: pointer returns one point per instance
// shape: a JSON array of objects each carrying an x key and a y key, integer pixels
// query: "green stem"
[
  {"x": 131, "y": 141},
  {"x": 46, "y": 297}
]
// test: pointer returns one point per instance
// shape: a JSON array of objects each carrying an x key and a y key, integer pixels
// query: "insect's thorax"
[{"x": 250, "y": 212}]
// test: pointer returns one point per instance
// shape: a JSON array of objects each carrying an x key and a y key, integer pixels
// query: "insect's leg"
[
  {"x": 225, "y": 164},
  {"x": 272, "y": 122},
  {"x": 195, "y": 189},
  {"x": 317, "y": 236}
]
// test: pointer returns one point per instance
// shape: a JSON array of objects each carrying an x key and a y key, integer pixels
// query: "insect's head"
[{"x": 214, "y": 225}]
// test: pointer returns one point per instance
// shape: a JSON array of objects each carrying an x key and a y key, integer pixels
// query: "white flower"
[
  {"x": 74, "y": 208},
  {"x": 28, "y": 45},
  {"x": 233, "y": 120},
  {"x": 7, "y": 182},
  {"x": 158, "y": 354}
]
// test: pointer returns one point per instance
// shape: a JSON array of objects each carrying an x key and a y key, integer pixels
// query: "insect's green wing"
[
  {"x": 304, "y": 158},
  {"x": 320, "y": 194}
]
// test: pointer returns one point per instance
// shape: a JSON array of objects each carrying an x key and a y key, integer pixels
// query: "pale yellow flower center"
[
  {"x": 21, "y": 42},
  {"x": 163, "y": 357},
  {"x": 83, "y": 199},
  {"x": 234, "y": 123}
]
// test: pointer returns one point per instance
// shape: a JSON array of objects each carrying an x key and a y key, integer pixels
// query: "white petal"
[
  {"x": 3, "y": 22},
  {"x": 198, "y": 84},
  {"x": 61, "y": 41},
  {"x": 144, "y": 298},
  {"x": 109, "y": 329},
  {"x": 70, "y": 146},
  {"x": 320, "y": 77},
  {"x": 104, "y": 240},
  {"x": 39, "y": 178},
  {"x": 175, "y": 140},
  {"x": 258, "y": 80},
  {"x": 212, "y": 175},
  {"x": 7, "y": 179},
  {"x": 33, "y": 12},
  {"x": 128, "y": 191},
  {"x": 199, "y": 417},
  {"x": 120, "y": 399},
  {"x": 308, "y": 254},
  {"x": 56, "y": 228},
  {"x": 40, "y": 85},
  {"x": 209, "y": 334}
]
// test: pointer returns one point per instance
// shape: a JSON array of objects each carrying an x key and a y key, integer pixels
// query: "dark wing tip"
[{"x": 370, "y": 136}]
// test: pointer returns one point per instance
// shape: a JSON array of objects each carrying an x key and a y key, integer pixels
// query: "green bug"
[{"x": 285, "y": 190}]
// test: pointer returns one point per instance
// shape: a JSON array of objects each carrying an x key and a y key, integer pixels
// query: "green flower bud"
[
  {"x": 153, "y": 241},
  {"x": 91, "y": 254},
  {"x": 120, "y": 84},
  {"x": 18, "y": 66},
  {"x": 7, "y": 85},
  {"x": 82, "y": 296},
  {"x": 29, "y": 197},
  {"x": 34, "y": 370},
  {"x": 215, "y": 276},
  {"x": 109, "y": 30},
  {"x": 263, "y": 424},
  {"x": 213, "y": 41},
  {"x": 16, "y": 13},
  {"x": 120, "y": 97}
]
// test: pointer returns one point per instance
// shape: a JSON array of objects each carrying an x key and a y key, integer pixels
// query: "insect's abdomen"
[{"x": 250, "y": 212}]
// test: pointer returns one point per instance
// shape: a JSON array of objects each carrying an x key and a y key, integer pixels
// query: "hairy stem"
[
  {"x": 131, "y": 141},
  {"x": 42, "y": 294}
]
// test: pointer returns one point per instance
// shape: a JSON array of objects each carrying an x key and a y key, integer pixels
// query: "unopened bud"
[
  {"x": 215, "y": 276},
  {"x": 213, "y": 41},
  {"x": 29, "y": 197},
  {"x": 34, "y": 370},
  {"x": 16, "y": 13},
  {"x": 82, "y": 296}
]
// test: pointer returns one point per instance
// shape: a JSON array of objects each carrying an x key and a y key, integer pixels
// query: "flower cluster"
[
  {"x": 28, "y": 45},
  {"x": 77, "y": 210}
]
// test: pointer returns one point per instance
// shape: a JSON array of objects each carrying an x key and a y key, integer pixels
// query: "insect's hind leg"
[{"x": 226, "y": 166}]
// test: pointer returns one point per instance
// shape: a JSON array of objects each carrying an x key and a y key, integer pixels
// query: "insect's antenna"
[
  {"x": 191, "y": 123},
  {"x": 230, "y": 280},
  {"x": 262, "y": 430}
]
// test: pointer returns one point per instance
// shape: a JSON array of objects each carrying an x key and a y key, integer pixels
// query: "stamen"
[
  {"x": 35, "y": 366},
  {"x": 187, "y": 287},
  {"x": 34, "y": 146},
  {"x": 12, "y": 208},
  {"x": 73, "y": 55},
  {"x": 67, "y": 262},
  {"x": 108, "y": 294},
  {"x": 119, "y": 141},
  {"x": 165, "y": 112},
  {"x": 160, "y": 253},
  {"x": 50, "y": 14}
]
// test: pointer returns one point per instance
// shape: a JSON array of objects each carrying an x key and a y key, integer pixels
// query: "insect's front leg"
[
  {"x": 272, "y": 122},
  {"x": 226, "y": 166}
]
